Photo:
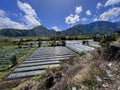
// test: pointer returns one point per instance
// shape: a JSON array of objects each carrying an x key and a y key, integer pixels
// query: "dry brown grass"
[
  {"x": 80, "y": 77},
  {"x": 116, "y": 43}
]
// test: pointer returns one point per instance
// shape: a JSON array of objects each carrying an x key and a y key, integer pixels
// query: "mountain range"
[{"x": 99, "y": 27}]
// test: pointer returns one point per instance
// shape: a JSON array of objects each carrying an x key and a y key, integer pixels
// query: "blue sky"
[{"x": 56, "y": 14}]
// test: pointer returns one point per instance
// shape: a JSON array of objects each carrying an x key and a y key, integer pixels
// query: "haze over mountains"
[{"x": 99, "y": 27}]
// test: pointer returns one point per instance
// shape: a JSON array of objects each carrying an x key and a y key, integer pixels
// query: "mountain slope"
[
  {"x": 99, "y": 27},
  {"x": 37, "y": 31}
]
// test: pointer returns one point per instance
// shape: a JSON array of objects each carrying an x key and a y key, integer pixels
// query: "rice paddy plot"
[{"x": 40, "y": 60}]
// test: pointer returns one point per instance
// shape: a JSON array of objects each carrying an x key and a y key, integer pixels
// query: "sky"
[{"x": 56, "y": 14}]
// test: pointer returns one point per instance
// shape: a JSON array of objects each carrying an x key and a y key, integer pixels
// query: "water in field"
[{"x": 41, "y": 59}]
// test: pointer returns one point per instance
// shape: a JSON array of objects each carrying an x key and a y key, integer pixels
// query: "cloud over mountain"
[
  {"x": 88, "y": 12},
  {"x": 99, "y": 4},
  {"x": 30, "y": 16},
  {"x": 74, "y": 18},
  {"x": 110, "y": 14},
  {"x": 78, "y": 10},
  {"x": 6, "y": 22},
  {"x": 56, "y": 28},
  {"x": 29, "y": 20},
  {"x": 111, "y": 2}
]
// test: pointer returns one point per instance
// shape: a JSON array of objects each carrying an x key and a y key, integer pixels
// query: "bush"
[
  {"x": 85, "y": 42},
  {"x": 63, "y": 42},
  {"x": 53, "y": 43},
  {"x": 20, "y": 44},
  {"x": 107, "y": 39},
  {"x": 14, "y": 60},
  {"x": 39, "y": 43},
  {"x": 31, "y": 45},
  {"x": 82, "y": 53}
]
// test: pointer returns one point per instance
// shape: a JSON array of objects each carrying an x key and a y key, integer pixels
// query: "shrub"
[
  {"x": 82, "y": 53},
  {"x": 39, "y": 43},
  {"x": 85, "y": 42},
  {"x": 63, "y": 42},
  {"x": 107, "y": 39},
  {"x": 31, "y": 45},
  {"x": 14, "y": 60},
  {"x": 53, "y": 43},
  {"x": 20, "y": 43}
]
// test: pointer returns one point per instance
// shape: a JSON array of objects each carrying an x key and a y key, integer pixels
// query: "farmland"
[
  {"x": 35, "y": 58},
  {"x": 10, "y": 56},
  {"x": 7, "y": 53},
  {"x": 40, "y": 60},
  {"x": 44, "y": 56}
]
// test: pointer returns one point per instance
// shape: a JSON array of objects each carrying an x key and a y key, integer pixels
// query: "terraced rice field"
[{"x": 41, "y": 59}]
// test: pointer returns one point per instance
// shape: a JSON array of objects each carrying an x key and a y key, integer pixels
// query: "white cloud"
[
  {"x": 56, "y": 28},
  {"x": 99, "y": 4},
  {"x": 72, "y": 19},
  {"x": 96, "y": 19},
  {"x": 78, "y": 10},
  {"x": 83, "y": 19},
  {"x": 6, "y": 22},
  {"x": 111, "y": 2},
  {"x": 88, "y": 12},
  {"x": 110, "y": 14},
  {"x": 30, "y": 16},
  {"x": 29, "y": 20},
  {"x": 2, "y": 13}
]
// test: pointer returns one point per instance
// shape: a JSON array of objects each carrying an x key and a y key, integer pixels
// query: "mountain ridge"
[{"x": 98, "y": 27}]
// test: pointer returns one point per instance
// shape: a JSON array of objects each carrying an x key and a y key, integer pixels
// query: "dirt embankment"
[
  {"x": 111, "y": 53},
  {"x": 96, "y": 70}
]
